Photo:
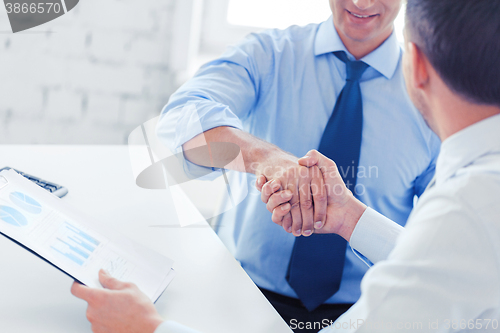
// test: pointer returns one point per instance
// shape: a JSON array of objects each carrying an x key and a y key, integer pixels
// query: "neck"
[
  {"x": 452, "y": 116},
  {"x": 361, "y": 48}
]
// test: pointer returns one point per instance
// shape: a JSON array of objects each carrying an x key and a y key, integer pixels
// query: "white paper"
[{"x": 76, "y": 243}]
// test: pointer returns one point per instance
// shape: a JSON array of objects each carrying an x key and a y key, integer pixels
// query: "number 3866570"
[{"x": 33, "y": 8}]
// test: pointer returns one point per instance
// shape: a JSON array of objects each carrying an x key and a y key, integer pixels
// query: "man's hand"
[
  {"x": 305, "y": 190},
  {"x": 121, "y": 307},
  {"x": 269, "y": 161},
  {"x": 343, "y": 209}
]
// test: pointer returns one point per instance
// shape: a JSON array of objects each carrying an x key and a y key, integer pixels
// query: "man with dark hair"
[{"x": 441, "y": 272}]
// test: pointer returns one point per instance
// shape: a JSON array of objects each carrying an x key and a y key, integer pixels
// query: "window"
[
  {"x": 277, "y": 13},
  {"x": 284, "y": 13},
  {"x": 228, "y": 21}
]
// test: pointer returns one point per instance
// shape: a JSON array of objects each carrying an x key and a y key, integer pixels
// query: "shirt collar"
[
  {"x": 466, "y": 146},
  {"x": 384, "y": 59}
]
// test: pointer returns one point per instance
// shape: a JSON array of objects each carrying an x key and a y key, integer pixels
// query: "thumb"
[
  {"x": 326, "y": 165},
  {"x": 312, "y": 158},
  {"x": 109, "y": 282}
]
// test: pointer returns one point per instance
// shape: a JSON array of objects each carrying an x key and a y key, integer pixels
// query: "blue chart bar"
[
  {"x": 83, "y": 244},
  {"x": 70, "y": 256},
  {"x": 75, "y": 249},
  {"x": 82, "y": 234},
  {"x": 74, "y": 244}
]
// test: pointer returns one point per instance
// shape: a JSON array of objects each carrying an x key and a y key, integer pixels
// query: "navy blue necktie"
[{"x": 317, "y": 262}]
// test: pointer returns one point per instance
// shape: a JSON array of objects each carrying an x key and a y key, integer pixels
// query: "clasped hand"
[{"x": 311, "y": 197}]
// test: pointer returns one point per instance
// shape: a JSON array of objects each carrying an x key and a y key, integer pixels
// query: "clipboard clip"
[{"x": 3, "y": 182}]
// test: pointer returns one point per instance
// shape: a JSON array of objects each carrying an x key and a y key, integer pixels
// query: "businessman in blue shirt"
[{"x": 274, "y": 95}]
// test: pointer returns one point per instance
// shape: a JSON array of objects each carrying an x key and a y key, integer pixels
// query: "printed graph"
[
  {"x": 74, "y": 244},
  {"x": 25, "y": 202},
  {"x": 12, "y": 216}
]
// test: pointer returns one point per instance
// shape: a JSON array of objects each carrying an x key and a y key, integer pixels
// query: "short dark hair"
[{"x": 461, "y": 39}]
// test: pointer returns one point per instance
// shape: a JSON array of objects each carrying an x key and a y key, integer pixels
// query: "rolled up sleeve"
[{"x": 222, "y": 92}]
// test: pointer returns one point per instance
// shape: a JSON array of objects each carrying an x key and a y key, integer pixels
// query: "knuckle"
[
  {"x": 276, "y": 219},
  {"x": 306, "y": 204},
  {"x": 295, "y": 205},
  {"x": 313, "y": 151},
  {"x": 320, "y": 216},
  {"x": 270, "y": 208},
  {"x": 128, "y": 285},
  {"x": 320, "y": 198},
  {"x": 90, "y": 315}
]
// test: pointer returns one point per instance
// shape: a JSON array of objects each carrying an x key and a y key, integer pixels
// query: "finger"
[
  {"x": 320, "y": 201},
  {"x": 277, "y": 199},
  {"x": 261, "y": 180},
  {"x": 109, "y": 282},
  {"x": 287, "y": 221},
  {"x": 268, "y": 189},
  {"x": 306, "y": 203},
  {"x": 280, "y": 212},
  {"x": 296, "y": 215},
  {"x": 81, "y": 291}
]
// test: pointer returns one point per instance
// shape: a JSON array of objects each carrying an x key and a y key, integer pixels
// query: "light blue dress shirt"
[{"x": 281, "y": 86}]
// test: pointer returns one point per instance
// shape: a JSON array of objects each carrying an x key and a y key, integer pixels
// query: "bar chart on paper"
[{"x": 74, "y": 244}]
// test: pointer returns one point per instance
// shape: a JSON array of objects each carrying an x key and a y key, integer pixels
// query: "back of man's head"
[{"x": 461, "y": 40}]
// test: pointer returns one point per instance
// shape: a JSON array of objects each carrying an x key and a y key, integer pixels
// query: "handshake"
[{"x": 308, "y": 195}]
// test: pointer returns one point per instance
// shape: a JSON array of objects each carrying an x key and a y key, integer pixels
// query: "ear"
[{"x": 418, "y": 66}]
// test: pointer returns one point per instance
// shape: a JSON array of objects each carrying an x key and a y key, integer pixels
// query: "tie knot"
[{"x": 354, "y": 69}]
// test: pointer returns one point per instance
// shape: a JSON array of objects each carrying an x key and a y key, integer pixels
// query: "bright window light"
[{"x": 284, "y": 13}]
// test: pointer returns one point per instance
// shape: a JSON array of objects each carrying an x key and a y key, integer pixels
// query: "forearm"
[{"x": 219, "y": 146}]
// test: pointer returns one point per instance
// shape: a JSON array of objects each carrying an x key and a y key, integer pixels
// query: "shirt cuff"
[
  {"x": 170, "y": 326},
  {"x": 375, "y": 235}
]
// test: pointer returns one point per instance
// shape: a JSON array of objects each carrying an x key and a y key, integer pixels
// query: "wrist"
[
  {"x": 268, "y": 160},
  {"x": 354, "y": 210}
]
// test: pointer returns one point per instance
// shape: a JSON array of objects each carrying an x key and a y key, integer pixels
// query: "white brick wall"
[{"x": 90, "y": 76}]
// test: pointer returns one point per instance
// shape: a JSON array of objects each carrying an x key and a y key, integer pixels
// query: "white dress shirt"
[{"x": 443, "y": 273}]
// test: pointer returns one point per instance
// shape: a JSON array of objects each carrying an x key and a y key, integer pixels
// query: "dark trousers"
[{"x": 299, "y": 318}]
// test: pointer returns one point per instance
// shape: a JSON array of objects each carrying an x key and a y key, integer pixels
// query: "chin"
[{"x": 359, "y": 35}]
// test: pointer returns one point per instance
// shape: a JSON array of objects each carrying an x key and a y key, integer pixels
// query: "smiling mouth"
[{"x": 361, "y": 16}]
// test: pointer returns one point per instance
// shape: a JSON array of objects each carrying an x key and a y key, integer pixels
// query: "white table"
[{"x": 211, "y": 292}]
